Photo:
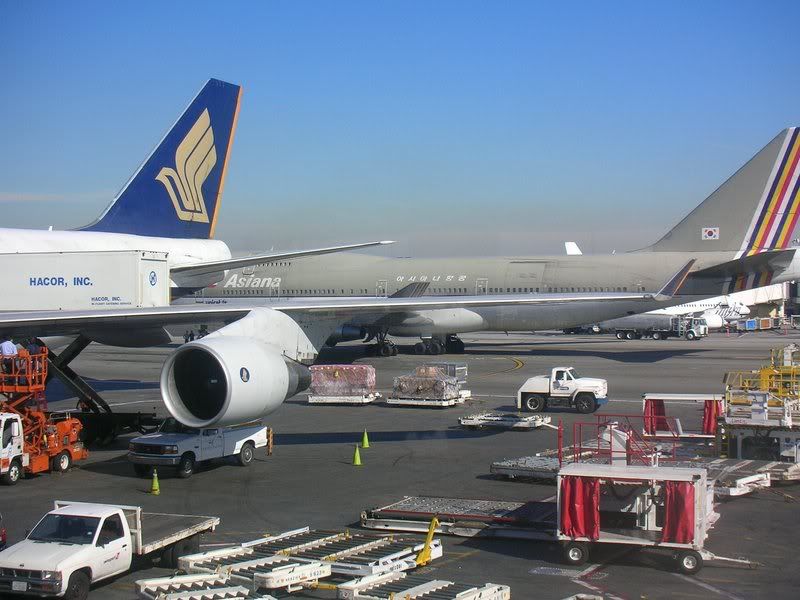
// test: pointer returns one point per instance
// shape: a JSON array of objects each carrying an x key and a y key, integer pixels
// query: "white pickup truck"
[
  {"x": 80, "y": 543},
  {"x": 176, "y": 445},
  {"x": 562, "y": 387}
]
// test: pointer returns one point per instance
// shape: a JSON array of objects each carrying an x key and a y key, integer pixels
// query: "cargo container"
[
  {"x": 342, "y": 384},
  {"x": 84, "y": 280}
]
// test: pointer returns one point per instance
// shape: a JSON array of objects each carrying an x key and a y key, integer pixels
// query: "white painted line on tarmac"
[{"x": 708, "y": 586}]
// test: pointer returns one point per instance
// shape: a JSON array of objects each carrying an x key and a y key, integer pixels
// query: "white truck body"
[
  {"x": 175, "y": 444},
  {"x": 11, "y": 443},
  {"x": 84, "y": 280},
  {"x": 562, "y": 387},
  {"x": 80, "y": 542}
]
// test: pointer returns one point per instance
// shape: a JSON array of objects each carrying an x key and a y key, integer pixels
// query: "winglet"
[{"x": 676, "y": 281}]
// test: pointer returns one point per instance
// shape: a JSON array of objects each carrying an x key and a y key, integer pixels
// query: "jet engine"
[{"x": 236, "y": 374}]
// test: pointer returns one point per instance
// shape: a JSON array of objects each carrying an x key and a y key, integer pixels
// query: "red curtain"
[
  {"x": 711, "y": 410},
  {"x": 654, "y": 416},
  {"x": 580, "y": 507},
  {"x": 679, "y": 512}
]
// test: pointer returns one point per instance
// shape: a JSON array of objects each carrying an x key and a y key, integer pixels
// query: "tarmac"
[{"x": 309, "y": 479}]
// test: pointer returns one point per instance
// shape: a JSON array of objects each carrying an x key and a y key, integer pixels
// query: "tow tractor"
[{"x": 33, "y": 440}]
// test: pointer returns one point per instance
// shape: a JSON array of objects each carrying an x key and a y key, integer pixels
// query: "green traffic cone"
[
  {"x": 365, "y": 439},
  {"x": 357, "y": 457},
  {"x": 155, "y": 489}
]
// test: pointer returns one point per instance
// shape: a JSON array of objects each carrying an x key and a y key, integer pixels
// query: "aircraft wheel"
[
  {"x": 394, "y": 350},
  {"x": 385, "y": 350},
  {"x": 419, "y": 348},
  {"x": 435, "y": 348}
]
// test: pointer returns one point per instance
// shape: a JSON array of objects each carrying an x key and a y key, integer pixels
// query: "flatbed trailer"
[
  {"x": 630, "y": 511},
  {"x": 505, "y": 421},
  {"x": 342, "y": 399}
]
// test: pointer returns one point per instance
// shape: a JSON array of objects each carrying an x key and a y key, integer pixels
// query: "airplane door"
[
  {"x": 380, "y": 289},
  {"x": 481, "y": 286}
]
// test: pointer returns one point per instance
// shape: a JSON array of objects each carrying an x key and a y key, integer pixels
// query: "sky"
[{"x": 456, "y": 128}]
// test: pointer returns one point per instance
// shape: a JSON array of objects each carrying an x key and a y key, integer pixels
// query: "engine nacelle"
[
  {"x": 346, "y": 333},
  {"x": 228, "y": 380}
]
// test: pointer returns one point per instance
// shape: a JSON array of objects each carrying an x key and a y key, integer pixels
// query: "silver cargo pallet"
[
  {"x": 362, "y": 399},
  {"x": 304, "y": 550},
  {"x": 431, "y": 402},
  {"x": 400, "y": 586},
  {"x": 196, "y": 587},
  {"x": 505, "y": 421}
]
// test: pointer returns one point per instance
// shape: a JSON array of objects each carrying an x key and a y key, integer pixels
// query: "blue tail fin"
[{"x": 177, "y": 191}]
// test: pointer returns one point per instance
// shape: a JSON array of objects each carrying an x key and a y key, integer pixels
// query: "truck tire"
[
  {"x": 689, "y": 562},
  {"x": 620, "y": 335},
  {"x": 14, "y": 472},
  {"x": 576, "y": 553},
  {"x": 534, "y": 403},
  {"x": 78, "y": 586},
  {"x": 657, "y": 335},
  {"x": 61, "y": 462},
  {"x": 690, "y": 335},
  {"x": 246, "y": 454},
  {"x": 168, "y": 558},
  {"x": 186, "y": 466},
  {"x": 630, "y": 335},
  {"x": 585, "y": 403},
  {"x": 184, "y": 547}
]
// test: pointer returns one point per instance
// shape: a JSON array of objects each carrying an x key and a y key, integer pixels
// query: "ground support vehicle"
[
  {"x": 647, "y": 507},
  {"x": 428, "y": 386},
  {"x": 562, "y": 387},
  {"x": 657, "y": 327},
  {"x": 342, "y": 384},
  {"x": 505, "y": 421},
  {"x": 412, "y": 587},
  {"x": 175, "y": 445},
  {"x": 80, "y": 543},
  {"x": 33, "y": 440},
  {"x": 292, "y": 560}
]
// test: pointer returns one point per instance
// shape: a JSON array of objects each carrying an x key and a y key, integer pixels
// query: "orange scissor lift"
[{"x": 40, "y": 440}]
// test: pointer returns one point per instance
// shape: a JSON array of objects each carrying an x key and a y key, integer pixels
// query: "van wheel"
[
  {"x": 585, "y": 403},
  {"x": 78, "y": 586},
  {"x": 689, "y": 562},
  {"x": 62, "y": 462},
  {"x": 576, "y": 553},
  {"x": 246, "y": 454},
  {"x": 535, "y": 403},
  {"x": 186, "y": 466},
  {"x": 14, "y": 472}
]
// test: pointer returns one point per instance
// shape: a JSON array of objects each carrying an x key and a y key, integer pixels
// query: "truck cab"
[
  {"x": 563, "y": 387},
  {"x": 11, "y": 444},
  {"x": 176, "y": 445},
  {"x": 68, "y": 550}
]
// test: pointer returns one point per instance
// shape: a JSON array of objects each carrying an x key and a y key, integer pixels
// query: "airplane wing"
[{"x": 216, "y": 266}]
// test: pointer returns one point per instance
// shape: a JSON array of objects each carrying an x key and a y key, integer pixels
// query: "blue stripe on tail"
[{"x": 177, "y": 191}]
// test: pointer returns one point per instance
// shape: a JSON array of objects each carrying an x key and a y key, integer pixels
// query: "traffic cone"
[
  {"x": 356, "y": 457},
  {"x": 365, "y": 439},
  {"x": 154, "y": 489}
]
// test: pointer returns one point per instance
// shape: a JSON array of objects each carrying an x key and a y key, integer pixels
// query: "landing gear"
[
  {"x": 451, "y": 344},
  {"x": 383, "y": 347},
  {"x": 454, "y": 344}
]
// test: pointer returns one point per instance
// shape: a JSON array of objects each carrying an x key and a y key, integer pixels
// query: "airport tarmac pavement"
[{"x": 309, "y": 480}]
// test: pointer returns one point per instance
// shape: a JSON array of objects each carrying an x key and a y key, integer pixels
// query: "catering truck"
[
  {"x": 78, "y": 544},
  {"x": 176, "y": 445},
  {"x": 563, "y": 387},
  {"x": 84, "y": 280}
]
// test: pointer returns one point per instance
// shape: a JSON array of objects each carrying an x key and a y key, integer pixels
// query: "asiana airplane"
[{"x": 259, "y": 356}]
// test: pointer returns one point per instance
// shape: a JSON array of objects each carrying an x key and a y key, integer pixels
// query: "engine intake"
[{"x": 228, "y": 380}]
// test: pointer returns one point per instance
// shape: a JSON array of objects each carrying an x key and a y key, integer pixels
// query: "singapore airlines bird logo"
[{"x": 194, "y": 159}]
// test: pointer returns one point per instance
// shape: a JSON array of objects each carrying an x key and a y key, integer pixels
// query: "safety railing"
[
  {"x": 23, "y": 373},
  {"x": 617, "y": 438}
]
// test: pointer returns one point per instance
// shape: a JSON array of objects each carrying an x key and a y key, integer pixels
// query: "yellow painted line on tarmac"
[{"x": 518, "y": 364}]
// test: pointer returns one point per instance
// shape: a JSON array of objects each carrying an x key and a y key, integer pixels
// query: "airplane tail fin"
[
  {"x": 177, "y": 190},
  {"x": 755, "y": 210}
]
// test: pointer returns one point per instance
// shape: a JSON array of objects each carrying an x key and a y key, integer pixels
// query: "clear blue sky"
[{"x": 455, "y": 127}]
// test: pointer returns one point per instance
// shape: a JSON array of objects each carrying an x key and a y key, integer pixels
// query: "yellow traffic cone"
[
  {"x": 365, "y": 439},
  {"x": 154, "y": 489},
  {"x": 357, "y": 457}
]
